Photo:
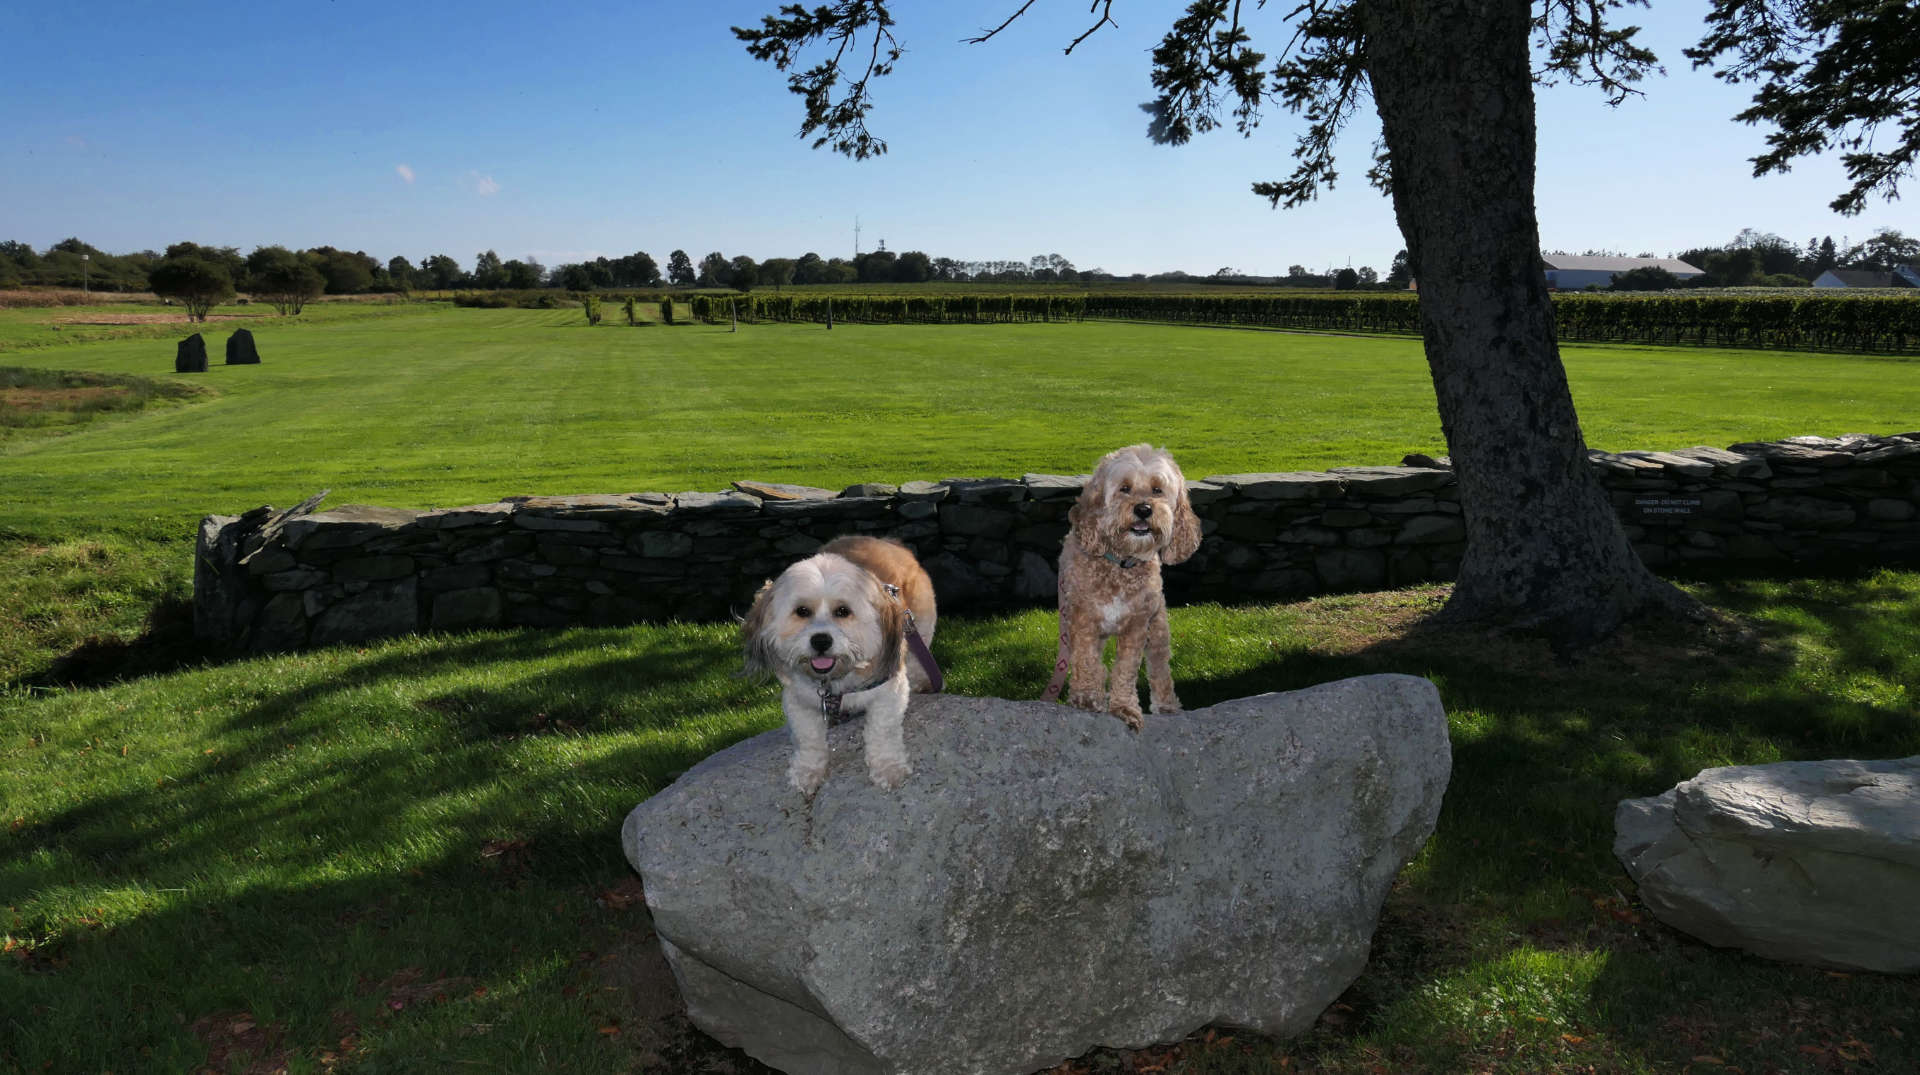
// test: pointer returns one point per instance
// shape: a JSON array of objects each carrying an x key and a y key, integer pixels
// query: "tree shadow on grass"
[
  {"x": 1521, "y": 858},
  {"x": 166, "y": 644},
  {"x": 395, "y": 816},
  {"x": 406, "y": 817}
]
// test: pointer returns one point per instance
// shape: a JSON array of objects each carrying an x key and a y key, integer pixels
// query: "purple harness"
[{"x": 830, "y": 699}]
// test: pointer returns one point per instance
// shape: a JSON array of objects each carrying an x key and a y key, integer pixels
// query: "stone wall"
[{"x": 271, "y": 580}]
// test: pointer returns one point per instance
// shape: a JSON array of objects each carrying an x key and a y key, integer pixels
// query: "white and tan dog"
[
  {"x": 1132, "y": 517},
  {"x": 833, "y": 630}
]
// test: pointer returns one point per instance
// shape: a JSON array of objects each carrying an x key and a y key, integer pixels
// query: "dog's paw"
[
  {"x": 889, "y": 774},
  {"x": 806, "y": 776},
  {"x": 1131, "y": 715},
  {"x": 1167, "y": 705},
  {"x": 1085, "y": 700}
]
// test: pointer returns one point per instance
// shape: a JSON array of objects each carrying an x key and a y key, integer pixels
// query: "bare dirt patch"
[
  {"x": 636, "y": 1001},
  {"x": 13, "y": 298},
  {"x": 1397, "y": 626},
  {"x": 236, "y": 1038}
]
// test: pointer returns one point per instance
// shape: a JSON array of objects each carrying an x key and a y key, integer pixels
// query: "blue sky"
[{"x": 417, "y": 129}]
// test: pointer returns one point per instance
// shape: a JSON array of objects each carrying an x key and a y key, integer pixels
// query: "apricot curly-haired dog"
[{"x": 1132, "y": 517}]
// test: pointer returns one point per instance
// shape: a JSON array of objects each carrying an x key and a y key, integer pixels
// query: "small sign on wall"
[{"x": 1666, "y": 509}]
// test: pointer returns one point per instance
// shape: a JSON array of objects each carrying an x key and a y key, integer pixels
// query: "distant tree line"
[
  {"x": 743, "y": 273},
  {"x": 1763, "y": 259},
  {"x": 290, "y": 278}
]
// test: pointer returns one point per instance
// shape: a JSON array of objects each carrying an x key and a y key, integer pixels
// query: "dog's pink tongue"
[{"x": 823, "y": 664}]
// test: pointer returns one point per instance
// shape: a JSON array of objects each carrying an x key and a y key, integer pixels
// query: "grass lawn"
[
  {"x": 451, "y": 406},
  {"x": 432, "y": 406},
  {"x": 404, "y": 856}
]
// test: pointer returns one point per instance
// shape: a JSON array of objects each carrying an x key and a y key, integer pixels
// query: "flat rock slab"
[
  {"x": 1046, "y": 882},
  {"x": 1809, "y": 862}
]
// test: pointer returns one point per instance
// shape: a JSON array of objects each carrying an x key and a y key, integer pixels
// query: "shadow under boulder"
[{"x": 1046, "y": 882}]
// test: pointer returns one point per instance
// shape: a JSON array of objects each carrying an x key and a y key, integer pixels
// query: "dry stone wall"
[{"x": 272, "y": 580}]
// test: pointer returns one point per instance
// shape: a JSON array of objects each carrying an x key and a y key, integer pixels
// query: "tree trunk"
[{"x": 1545, "y": 550}]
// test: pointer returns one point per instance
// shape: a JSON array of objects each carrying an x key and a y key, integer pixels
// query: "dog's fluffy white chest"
[{"x": 1113, "y": 613}]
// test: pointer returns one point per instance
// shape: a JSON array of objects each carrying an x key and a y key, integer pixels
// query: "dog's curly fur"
[
  {"x": 827, "y": 625},
  {"x": 1132, "y": 517}
]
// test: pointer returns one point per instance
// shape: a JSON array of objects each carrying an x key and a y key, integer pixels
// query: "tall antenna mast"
[{"x": 856, "y": 238}]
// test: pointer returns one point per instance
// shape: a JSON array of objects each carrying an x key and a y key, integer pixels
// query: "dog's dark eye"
[
  {"x": 1156, "y": 491},
  {"x": 803, "y": 612},
  {"x": 841, "y": 612},
  {"x": 1126, "y": 487}
]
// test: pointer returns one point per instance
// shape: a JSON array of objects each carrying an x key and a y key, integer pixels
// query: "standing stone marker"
[
  {"x": 191, "y": 355},
  {"x": 240, "y": 349}
]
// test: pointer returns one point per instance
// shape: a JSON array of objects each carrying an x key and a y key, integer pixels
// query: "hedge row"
[
  {"x": 1782, "y": 322},
  {"x": 1889, "y": 325},
  {"x": 513, "y": 300},
  {"x": 888, "y": 309},
  {"x": 1389, "y": 312}
]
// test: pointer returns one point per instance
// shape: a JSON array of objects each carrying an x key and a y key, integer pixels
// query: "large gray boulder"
[
  {"x": 1810, "y": 862},
  {"x": 1046, "y": 881}
]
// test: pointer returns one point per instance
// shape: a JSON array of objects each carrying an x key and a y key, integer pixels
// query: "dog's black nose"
[
  {"x": 1143, "y": 511},
  {"x": 822, "y": 642}
]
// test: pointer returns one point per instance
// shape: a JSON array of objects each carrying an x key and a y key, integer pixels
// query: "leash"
[
  {"x": 935, "y": 681},
  {"x": 1059, "y": 680},
  {"x": 918, "y": 646}
]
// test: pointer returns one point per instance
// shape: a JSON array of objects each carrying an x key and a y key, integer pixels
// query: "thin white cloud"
[
  {"x": 405, "y": 171},
  {"x": 483, "y": 185}
]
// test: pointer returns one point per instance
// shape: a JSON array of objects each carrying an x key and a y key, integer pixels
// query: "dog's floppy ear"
[
  {"x": 756, "y": 641},
  {"x": 1184, "y": 540},
  {"x": 1085, "y": 515}
]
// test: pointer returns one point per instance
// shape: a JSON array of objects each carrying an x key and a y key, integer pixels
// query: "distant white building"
[
  {"x": 1575, "y": 272},
  {"x": 1901, "y": 276}
]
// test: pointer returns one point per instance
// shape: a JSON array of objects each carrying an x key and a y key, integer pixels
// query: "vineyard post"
[{"x": 829, "y": 313}]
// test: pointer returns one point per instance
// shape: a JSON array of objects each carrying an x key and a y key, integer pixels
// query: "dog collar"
[
  {"x": 830, "y": 701},
  {"x": 1123, "y": 561}
]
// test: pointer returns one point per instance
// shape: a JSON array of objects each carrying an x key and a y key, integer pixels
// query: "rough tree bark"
[{"x": 1545, "y": 549}]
